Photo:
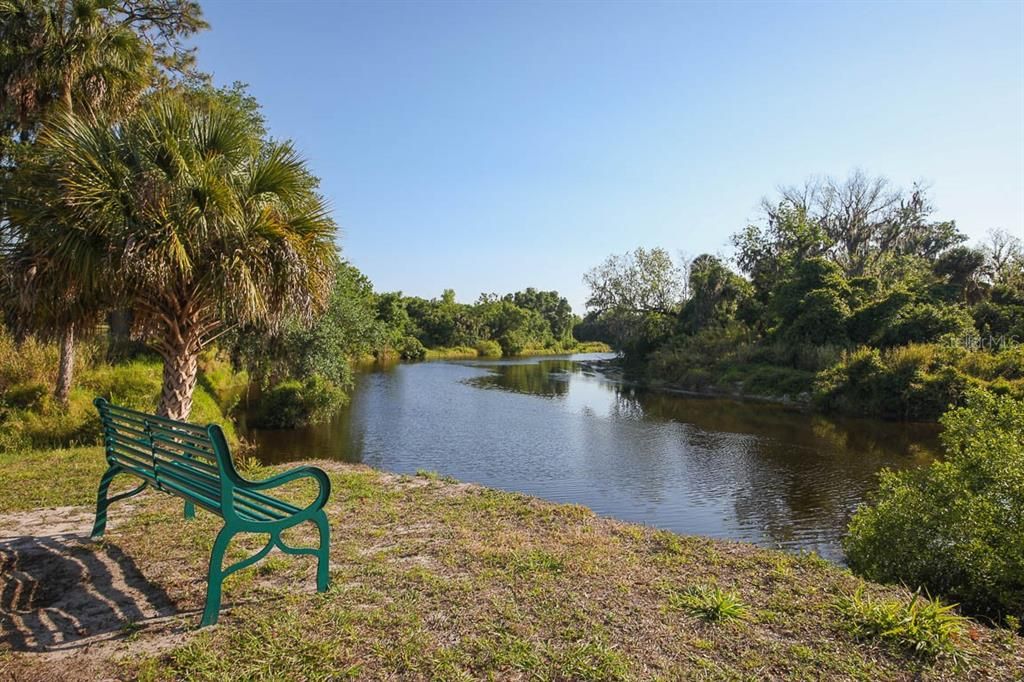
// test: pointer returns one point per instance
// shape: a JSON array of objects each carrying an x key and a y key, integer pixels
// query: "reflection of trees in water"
[
  {"x": 842, "y": 437},
  {"x": 540, "y": 378},
  {"x": 792, "y": 476},
  {"x": 342, "y": 438}
]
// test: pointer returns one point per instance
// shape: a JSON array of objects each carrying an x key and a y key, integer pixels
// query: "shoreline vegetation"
[
  {"x": 473, "y": 353},
  {"x": 846, "y": 295},
  {"x": 436, "y": 579}
]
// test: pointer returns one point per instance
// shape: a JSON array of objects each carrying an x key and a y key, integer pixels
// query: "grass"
[
  {"x": 455, "y": 353},
  {"x": 709, "y": 603},
  {"x": 923, "y": 627},
  {"x": 433, "y": 579}
]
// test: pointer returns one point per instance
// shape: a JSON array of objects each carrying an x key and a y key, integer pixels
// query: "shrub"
[
  {"x": 488, "y": 349},
  {"x": 926, "y": 323},
  {"x": 410, "y": 348},
  {"x": 294, "y": 403},
  {"x": 915, "y": 382},
  {"x": 30, "y": 363},
  {"x": 28, "y": 396},
  {"x": 923, "y": 627},
  {"x": 821, "y": 319},
  {"x": 957, "y": 527},
  {"x": 135, "y": 385}
]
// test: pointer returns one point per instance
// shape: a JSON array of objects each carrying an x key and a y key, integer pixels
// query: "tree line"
[{"x": 847, "y": 294}]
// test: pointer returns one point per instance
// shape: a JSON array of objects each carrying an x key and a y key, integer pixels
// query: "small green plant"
[
  {"x": 923, "y": 627},
  {"x": 130, "y": 630},
  {"x": 709, "y": 603}
]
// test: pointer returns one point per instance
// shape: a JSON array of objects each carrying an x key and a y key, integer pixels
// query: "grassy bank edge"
[{"x": 763, "y": 592}]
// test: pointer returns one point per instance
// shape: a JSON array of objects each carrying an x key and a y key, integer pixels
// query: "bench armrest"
[{"x": 294, "y": 474}]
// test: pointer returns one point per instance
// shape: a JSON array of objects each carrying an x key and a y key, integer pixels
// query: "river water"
[{"x": 557, "y": 429}]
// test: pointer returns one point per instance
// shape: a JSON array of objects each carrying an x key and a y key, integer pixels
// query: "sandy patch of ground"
[{"x": 69, "y": 600}]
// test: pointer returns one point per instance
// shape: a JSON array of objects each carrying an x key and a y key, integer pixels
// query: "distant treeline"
[{"x": 846, "y": 294}]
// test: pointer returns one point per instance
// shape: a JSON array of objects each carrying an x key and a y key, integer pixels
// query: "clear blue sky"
[{"x": 490, "y": 146}]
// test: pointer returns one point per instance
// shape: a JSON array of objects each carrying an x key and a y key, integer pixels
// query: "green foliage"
[
  {"x": 293, "y": 403},
  {"x": 957, "y": 527},
  {"x": 925, "y": 323},
  {"x": 915, "y": 382},
  {"x": 555, "y": 310},
  {"x": 847, "y": 279},
  {"x": 716, "y": 294},
  {"x": 524, "y": 321},
  {"x": 31, "y": 418},
  {"x": 220, "y": 379},
  {"x": 922, "y": 627},
  {"x": 710, "y": 603},
  {"x": 486, "y": 348}
]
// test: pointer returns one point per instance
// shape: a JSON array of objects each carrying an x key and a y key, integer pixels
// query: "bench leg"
[
  {"x": 215, "y": 578},
  {"x": 100, "y": 525},
  {"x": 323, "y": 576},
  {"x": 190, "y": 510}
]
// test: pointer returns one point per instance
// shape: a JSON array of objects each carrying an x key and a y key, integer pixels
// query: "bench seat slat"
[
  {"x": 186, "y": 459},
  {"x": 249, "y": 498},
  {"x": 131, "y": 448},
  {"x": 131, "y": 441},
  {"x": 162, "y": 422},
  {"x": 201, "y": 482},
  {"x": 121, "y": 428},
  {"x": 184, "y": 491},
  {"x": 161, "y": 441},
  {"x": 164, "y": 440},
  {"x": 172, "y": 481},
  {"x": 133, "y": 458}
]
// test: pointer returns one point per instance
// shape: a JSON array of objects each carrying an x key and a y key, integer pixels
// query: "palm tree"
[
  {"x": 68, "y": 55},
  {"x": 201, "y": 223},
  {"x": 85, "y": 57}
]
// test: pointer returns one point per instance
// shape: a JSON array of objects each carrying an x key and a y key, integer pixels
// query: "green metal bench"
[{"x": 194, "y": 463}]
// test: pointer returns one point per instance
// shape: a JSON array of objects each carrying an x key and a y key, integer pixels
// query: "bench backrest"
[{"x": 183, "y": 459}]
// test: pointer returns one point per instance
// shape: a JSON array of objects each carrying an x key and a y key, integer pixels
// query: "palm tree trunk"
[
  {"x": 180, "y": 370},
  {"x": 66, "y": 367}
]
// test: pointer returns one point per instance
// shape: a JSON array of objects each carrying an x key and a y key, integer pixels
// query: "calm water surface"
[{"x": 554, "y": 428}]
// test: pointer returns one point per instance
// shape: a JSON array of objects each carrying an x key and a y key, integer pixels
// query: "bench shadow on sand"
[{"x": 58, "y": 590}]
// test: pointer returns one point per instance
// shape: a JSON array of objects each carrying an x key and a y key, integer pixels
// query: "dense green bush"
[
  {"x": 926, "y": 323},
  {"x": 915, "y": 382},
  {"x": 488, "y": 349},
  {"x": 957, "y": 527},
  {"x": 295, "y": 403}
]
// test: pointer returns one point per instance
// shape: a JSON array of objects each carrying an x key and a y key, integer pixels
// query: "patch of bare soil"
[{"x": 70, "y": 601}]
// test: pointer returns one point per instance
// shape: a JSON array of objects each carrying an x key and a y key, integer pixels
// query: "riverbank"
[
  {"x": 434, "y": 579},
  {"x": 471, "y": 352},
  {"x": 613, "y": 370}
]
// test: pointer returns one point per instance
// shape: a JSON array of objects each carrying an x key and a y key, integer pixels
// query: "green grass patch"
[
  {"x": 710, "y": 603},
  {"x": 922, "y": 626},
  {"x": 51, "y": 478}
]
